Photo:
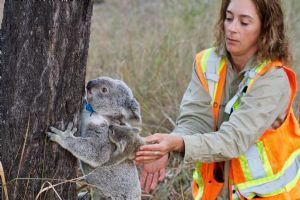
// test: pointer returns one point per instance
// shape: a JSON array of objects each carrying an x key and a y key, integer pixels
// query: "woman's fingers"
[
  {"x": 151, "y": 182},
  {"x": 150, "y": 147},
  {"x": 152, "y": 139},
  {"x": 149, "y": 153},
  {"x": 147, "y": 159},
  {"x": 148, "y": 183},
  {"x": 154, "y": 181},
  {"x": 143, "y": 178},
  {"x": 162, "y": 174},
  {"x": 157, "y": 169},
  {"x": 148, "y": 156}
]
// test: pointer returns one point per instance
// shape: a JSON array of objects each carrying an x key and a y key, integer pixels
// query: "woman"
[{"x": 236, "y": 122}]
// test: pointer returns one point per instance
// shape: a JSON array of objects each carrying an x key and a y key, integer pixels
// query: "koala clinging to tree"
[{"x": 107, "y": 143}]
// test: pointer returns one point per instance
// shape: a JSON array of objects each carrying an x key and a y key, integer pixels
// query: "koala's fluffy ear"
[{"x": 134, "y": 108}]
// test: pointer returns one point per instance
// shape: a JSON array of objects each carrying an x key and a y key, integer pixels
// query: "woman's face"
[{"x": 242, "y": 28}]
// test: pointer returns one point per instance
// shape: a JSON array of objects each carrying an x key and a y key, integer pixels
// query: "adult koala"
[{"x": 107, "y": 143}]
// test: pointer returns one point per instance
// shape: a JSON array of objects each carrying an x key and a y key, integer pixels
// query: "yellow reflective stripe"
[
  {"x": 293, "y": 183},
  {"x": 236, "y": 104},
  {"x": 235, "y": 198},
  {"x": 215, "y": 92},
  {"x": 257, "y": 70},
  {"x": 286, "y": 188},
  {"x": 204, "y": 59},
  {"x": 198, "y": 197},
  {"x": 250, "y": 82},
  {"x": 264, "y": 158},
  {"x": 261, "y": 66},
  {"x": 198, "y": 178},
  {"x": 198, "y": 165},
  {"x": 245, "y": 168},
  {"x": 251, "y": 196},
  {"x": 269, "y": 179},
  {"x": 222, "y": 65}
]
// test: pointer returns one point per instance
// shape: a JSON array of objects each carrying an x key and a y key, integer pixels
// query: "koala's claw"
[
  {"x": 70, "y": 126},
  {"x": 69, "y": 131},
  {"x": 52, "y": 136},
  {"x": 56, "y": 131}
]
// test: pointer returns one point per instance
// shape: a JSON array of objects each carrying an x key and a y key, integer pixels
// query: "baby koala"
[
  {"x": 126, "y": 140},
  {"x": 107, "y": 143}
]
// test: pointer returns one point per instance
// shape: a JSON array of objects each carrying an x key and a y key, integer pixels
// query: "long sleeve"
[
  {"x": 266, "y": 102},
  {"x": 195, "y": 110}
]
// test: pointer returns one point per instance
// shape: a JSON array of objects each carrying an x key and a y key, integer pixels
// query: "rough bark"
[{"x": 44, "y": 47}]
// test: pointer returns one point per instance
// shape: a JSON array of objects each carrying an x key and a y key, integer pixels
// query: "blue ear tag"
[{"x": 89, "y": 108}]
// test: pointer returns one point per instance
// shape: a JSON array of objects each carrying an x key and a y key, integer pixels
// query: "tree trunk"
[{"x": 44, "y": 46}]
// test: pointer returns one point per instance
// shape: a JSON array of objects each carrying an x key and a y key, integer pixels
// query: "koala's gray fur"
[
  {"x": 107, "y": 143},
  {"x": 126, "y": 140}
]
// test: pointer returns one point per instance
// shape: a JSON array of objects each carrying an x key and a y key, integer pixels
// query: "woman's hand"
[
  {"x": 157, "y": 146},
  {"x": 153, "y": 173}
]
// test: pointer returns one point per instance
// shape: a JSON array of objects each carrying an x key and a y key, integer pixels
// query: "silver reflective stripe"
[
  {"x": 230, "y": 104},
  {"x": 251, "y": 73},
  {"x": 211, "y": 73},
  {"x": 211, "y": 76},
  {"x": 272, "y": 186},
  {"x": 235, "y": 194},
  {"x": 255, "y": 164}
]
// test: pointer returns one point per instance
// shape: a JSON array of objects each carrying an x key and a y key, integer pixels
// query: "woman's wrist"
[{"x": 178, "y": 144}]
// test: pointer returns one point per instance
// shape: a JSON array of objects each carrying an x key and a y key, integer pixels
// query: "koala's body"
[{"x": 107, "y": 144}]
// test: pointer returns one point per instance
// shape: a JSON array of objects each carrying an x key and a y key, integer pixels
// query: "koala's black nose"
[{"x": 90, "y": 85}]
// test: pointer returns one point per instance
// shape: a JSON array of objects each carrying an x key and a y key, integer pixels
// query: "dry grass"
[{"x": 151, "y": 46}]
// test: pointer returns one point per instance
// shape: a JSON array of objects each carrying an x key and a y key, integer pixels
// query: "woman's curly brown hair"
[{"x": 273, "y": 43}]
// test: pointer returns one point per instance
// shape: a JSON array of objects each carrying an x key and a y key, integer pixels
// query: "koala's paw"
[{"x": 56, "y": 135}]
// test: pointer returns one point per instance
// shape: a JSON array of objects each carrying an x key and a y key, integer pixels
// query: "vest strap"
[
  {"x": 212, "y": 67},
  {"x": 249, "y": 76},
  {"x": 235, "y": 193},
  {"x": 229, "y": 105},
  {"x": 211, "y": 77}
]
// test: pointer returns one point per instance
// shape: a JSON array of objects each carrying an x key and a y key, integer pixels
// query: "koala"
[
  {"x": 126, "y": 140},
  {"x": 107, "y": 142}
]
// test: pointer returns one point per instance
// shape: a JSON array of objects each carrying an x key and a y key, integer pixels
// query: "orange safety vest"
[{"x": 265, "y": 170}]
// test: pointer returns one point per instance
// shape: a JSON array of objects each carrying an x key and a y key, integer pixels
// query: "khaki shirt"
[{"x": 260, "y": 109}]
